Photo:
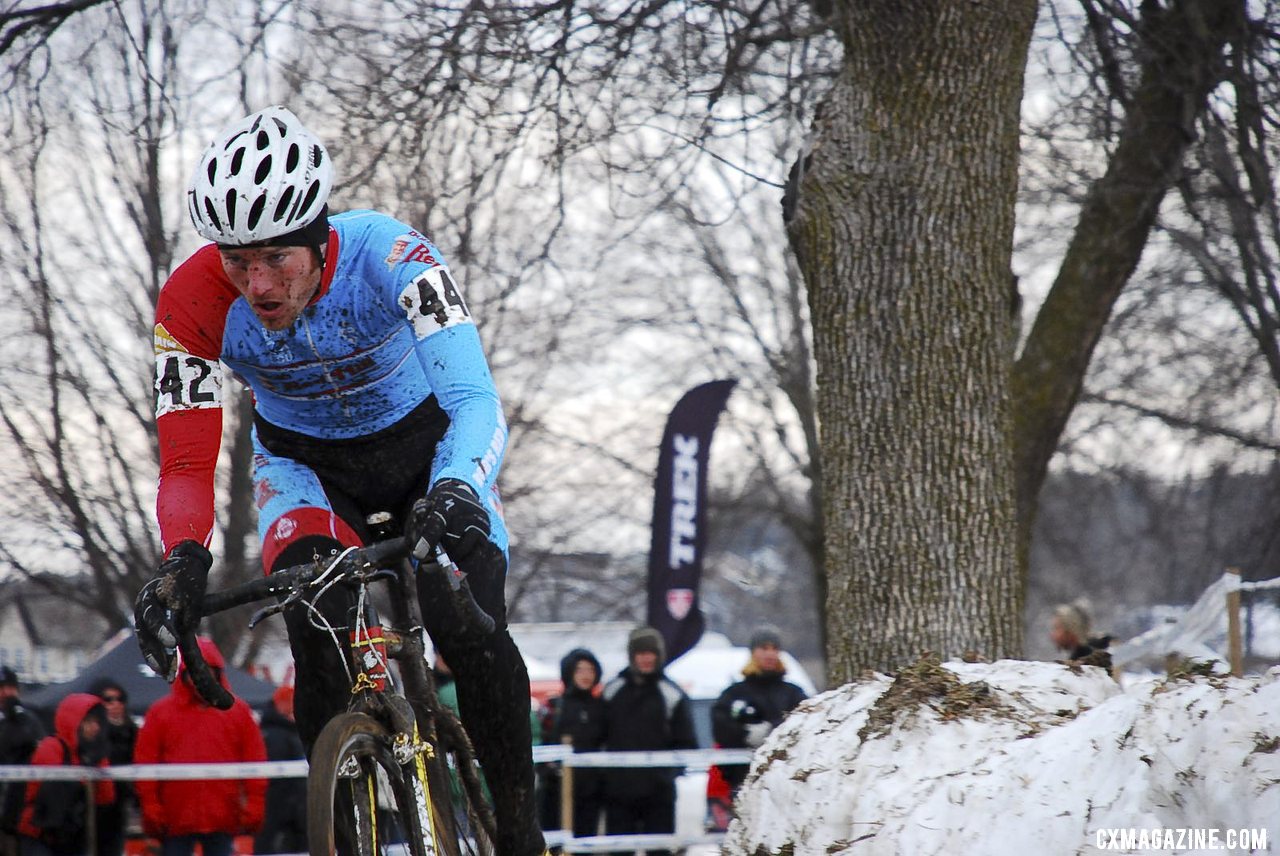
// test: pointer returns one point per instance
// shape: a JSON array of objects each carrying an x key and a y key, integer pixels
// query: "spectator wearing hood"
[
  {"x": 744, "y": 714},
  {"x": 121, "y": 733},
  {"x": 576, "y": 717},
  {"x": 54, "y": 817},
  {"x": 644, "y": 710},
  {"x": 182, "y": 728}
]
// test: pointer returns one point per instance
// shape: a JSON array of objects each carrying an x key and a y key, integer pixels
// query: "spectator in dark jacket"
[
  {"x": 644, "y": 710},
  {"x": 578, "y": 717},
  {"x": 20, "y": 731},
  {"x": 121, "y": 734},
  {"x": 746, "y": 712},
  {"x": 182, "y": 729},
  {"x": 284, "y": 827}
]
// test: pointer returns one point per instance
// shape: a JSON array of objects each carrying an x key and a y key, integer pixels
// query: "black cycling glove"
[
  {"x": 169, "y": 605},
  {"x": 450, "y": 512}
]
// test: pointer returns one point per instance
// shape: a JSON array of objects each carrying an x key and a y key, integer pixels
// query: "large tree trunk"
[{"x": 904, "y": 230}]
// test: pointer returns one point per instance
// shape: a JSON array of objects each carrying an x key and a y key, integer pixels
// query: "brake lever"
[{"x": 442, "y": 564}]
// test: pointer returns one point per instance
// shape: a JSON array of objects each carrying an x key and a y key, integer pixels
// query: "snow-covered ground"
[{"x": 1019, "y": 758}]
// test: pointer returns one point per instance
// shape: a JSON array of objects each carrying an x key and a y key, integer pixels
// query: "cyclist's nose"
[{"x": 261, "y": 280}]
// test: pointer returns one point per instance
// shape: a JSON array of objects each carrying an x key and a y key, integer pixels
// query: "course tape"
[
  {"x": 156, "y": 772},
  {"x": 631, "y": 843},
  {"x": 691, "y": 758}
]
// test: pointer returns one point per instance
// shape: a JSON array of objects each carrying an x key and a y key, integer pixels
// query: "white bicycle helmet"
[{"x": 265, "y": 176}]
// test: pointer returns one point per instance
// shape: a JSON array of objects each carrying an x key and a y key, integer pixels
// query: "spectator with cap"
[
  {"x": 20, "y": 731},
  {"x": 284, "y": 827},
  {"x": 745, "y": 713},
  {"x": 644, "y": 710},
  {"x": 121, "y": 733}
]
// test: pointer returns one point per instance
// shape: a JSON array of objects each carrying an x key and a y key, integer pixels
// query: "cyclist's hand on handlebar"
[
  {"x": 450, "y": 512},
  {"x": 169, "y": 605}
]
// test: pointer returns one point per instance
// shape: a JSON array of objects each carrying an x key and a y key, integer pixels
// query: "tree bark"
[{"x": 903, "y": 229}]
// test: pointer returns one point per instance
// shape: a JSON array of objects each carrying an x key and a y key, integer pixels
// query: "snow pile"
[{"x": 1012, "y": 757}]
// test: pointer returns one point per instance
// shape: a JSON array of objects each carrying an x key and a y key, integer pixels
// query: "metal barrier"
[{"x": 689, "y": 759}]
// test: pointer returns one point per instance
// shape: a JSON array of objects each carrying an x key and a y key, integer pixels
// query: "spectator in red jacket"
[
  {"x": 182, "y": 729},
  {"x": 54, "y": 819}
]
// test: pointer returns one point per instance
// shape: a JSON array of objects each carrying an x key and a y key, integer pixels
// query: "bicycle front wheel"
[{"x": 361, "y": 800}]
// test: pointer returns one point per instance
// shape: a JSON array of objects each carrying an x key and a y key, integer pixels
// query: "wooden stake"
[
  {"x": 1235, "y": 646},
  {"x": 566, "y": 791}
]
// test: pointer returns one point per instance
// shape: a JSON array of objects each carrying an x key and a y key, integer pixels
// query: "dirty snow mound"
[{"x": 998, "y": 758}]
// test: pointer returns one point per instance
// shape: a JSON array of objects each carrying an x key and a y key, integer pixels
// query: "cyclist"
[{"x": 371, "y": 392}]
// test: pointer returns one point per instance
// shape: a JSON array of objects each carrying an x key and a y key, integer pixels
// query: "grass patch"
[{"x": 925, "y": 683}]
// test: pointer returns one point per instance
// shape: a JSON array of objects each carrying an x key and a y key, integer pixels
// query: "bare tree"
[
  {"x": 1182, "y": 375},
  {"x": 91, "y": 231},
  {"x": 922, "y": 574},
  {"x": 75, "y": 401},
  {"x": 23, "y": 31}
]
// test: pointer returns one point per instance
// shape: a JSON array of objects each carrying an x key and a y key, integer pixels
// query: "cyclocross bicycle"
[{"x": 396, "y": 772}]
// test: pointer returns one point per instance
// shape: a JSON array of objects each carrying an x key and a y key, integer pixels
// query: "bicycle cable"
[
  {"x": 362, "y": 632},
  {"x": 313, "y": 614}
]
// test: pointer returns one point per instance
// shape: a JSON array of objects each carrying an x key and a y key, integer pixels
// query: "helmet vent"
[
  {"x": 255, "y": 211},
  {"x": 283, "y": 205},
  {"x": 236, "y": 160},
  {"x": 291, "y": 158},
  {"x": 264, "y": 140},
  {"x": 312, "y": 191},
  {"x": 231, "y": 206},
  {"x": 211, "y": 213},
  {"x": 213, "y": 169},
  {"x": 264, "y": 170}
]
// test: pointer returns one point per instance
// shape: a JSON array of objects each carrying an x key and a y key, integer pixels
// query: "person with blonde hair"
[{"x": 1070, "y": 630}]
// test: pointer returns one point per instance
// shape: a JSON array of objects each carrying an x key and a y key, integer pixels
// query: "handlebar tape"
[{"x": 202, "y": 678}]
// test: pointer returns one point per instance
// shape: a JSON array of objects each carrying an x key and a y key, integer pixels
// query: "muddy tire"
[{"x": 360, "y": 801}]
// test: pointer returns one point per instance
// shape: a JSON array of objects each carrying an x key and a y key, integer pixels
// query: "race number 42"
[{"x": 186, "y": 382}]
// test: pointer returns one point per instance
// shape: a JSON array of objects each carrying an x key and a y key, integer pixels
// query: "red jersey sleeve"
[{"x": 191, "y": 315}]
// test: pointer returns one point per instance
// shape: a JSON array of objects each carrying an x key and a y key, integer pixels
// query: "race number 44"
[{"x": 432, "y": 302}]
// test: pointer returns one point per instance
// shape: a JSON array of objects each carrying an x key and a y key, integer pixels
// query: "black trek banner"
[{"x": 679, "y": 518}]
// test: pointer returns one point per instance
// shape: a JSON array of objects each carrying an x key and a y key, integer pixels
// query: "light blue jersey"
[{"x": 387, "y": 330}]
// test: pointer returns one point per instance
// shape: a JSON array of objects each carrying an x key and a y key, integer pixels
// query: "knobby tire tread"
[{"x": 369, "y": 739}]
